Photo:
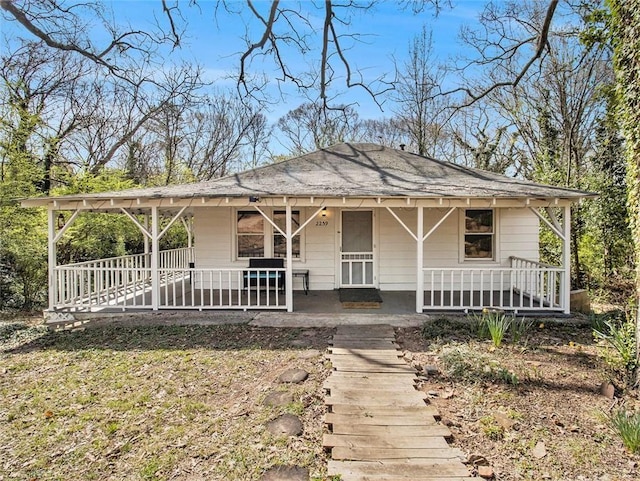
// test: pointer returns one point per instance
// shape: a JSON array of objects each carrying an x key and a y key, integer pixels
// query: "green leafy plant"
[
  {"x": 618, "y": 333},
  {"x": 520, "y": 328},
  {"x": 491, "y": 428},
  {"x": 493, "y": 324},
  {"x": 627, "y": 425}
]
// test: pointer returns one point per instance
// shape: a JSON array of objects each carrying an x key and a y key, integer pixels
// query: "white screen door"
[{"x": 356, "y": 262}]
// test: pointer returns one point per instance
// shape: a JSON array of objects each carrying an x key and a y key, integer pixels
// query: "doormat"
[{"x": 360, "y": 298}]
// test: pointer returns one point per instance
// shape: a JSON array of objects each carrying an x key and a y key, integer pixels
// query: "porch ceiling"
[{"x": 344, "y": 172}]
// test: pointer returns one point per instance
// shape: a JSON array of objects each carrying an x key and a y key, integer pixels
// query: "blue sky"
[{"x": 216, "y": 42}]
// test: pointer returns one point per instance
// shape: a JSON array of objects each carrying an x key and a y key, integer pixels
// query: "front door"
[{"x": 356, "y": 254}]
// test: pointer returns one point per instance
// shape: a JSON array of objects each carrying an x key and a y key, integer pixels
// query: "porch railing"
[
  {"x": 125, "y": 282},
  {"x": 233, "y": 288},
  {"x": 526, "y": 285},
  {"x": 117, "y": 281}
]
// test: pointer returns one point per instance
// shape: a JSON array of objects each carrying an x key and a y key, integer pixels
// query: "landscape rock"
[
  {"x": 278, "y": 398},
  {"x": 431, "y": 370},
  {"x": 285, "y": 473},
  {"x": 294, "y": 376},
  {"x": 504, "y": 421},
  {"x": 285, "y": 425},
  {"x": 486, "y": 472},
  {"x": 607, "y": 390},
  {"x": 539, "y": 451},
  {"x": 301, "y": 343}
]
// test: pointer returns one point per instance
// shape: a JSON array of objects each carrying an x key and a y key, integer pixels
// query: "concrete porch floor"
[
  {"x": 393, "y": 302},
  {"x": 323, "y": 309}
]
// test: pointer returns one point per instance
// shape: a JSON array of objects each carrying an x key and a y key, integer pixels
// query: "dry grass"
[{"x": 152, "y": 403}]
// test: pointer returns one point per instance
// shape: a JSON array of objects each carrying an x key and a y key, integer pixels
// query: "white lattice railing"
[{"x": 526, "y": 285}]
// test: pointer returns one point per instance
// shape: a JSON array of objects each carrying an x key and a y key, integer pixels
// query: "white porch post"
[
  {"x": 566, "y": 261},
  {"x": 146, "y": 238},
  {"x": 420, "y": 260},
  {"x": 289, "y": 272},
  {"x": 53, "y": 285},
  {"x": 155, "y": 258}
]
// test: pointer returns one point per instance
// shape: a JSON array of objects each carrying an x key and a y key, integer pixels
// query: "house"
[{"x": 351, "y": 215}]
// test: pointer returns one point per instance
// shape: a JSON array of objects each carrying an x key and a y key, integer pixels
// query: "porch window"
[
  {"x": 279, "y": 242},
  {"x": 258, "y": 238},
  {"x": 250, "y": 234},
  {"x": 479, "y": 234}
]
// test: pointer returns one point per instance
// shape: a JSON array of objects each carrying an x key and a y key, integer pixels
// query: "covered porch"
[
  {"x": 349, "y": 216},
  {"x": 126, "y": 283}
]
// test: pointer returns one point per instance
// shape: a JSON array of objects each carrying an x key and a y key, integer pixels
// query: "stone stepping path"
[{"x": 380, "y": 427}]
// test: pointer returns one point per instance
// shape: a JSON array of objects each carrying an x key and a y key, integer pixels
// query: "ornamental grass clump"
[
  {"x": 618, "y": 334},
  {"x": 627, "y": 425},
  {"x": 494, "y": 325}
]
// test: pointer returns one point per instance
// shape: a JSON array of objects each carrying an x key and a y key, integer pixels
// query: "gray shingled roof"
[{"x": 355, "y": 170}]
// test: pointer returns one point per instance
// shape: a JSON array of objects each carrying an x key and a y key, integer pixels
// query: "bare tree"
[
  {"x": 71, "y": 28},
  {"x": 197, "y": 140},
  {"x": 311, "y": 126},
  {"x": 506, "y": 41},
  {"x": 390, "y": 132},
  {"x": 479, "y": 143},
  {"x": 419, "y": 108},
  {"x": 39, "y": 92}
]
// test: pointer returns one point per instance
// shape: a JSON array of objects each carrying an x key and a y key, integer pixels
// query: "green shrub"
[{"x": 491, "y": 428}]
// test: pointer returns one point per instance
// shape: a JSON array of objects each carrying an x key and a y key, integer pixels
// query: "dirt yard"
[
  {"x": 530, "y": 411},
  {"x": 163, "y": 402},
  {"x": 156, "y": 402}
]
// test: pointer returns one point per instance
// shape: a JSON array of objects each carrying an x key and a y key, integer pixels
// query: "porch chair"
[{"x": 264, "y": 280}]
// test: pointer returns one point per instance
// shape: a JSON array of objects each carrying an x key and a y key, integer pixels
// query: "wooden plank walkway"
[{"x": 380, "y": 427}]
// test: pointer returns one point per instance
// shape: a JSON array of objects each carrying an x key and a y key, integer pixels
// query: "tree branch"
[{"x": 542, "y": 43}]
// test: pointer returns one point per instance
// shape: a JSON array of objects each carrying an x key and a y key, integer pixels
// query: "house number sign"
[{"x": 322, "y": 223}]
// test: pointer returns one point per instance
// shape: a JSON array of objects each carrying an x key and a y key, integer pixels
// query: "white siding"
[
  {"x": 517, "y": 232},
  {"x": 441, "y": 249},
  {"x": 320, "y": 250},
  {"x": 215, "y": 244},
  {"x": 213, "y": 231},
  {"x": 519, "y": 235},
  {"x": 396, "y": 250}
]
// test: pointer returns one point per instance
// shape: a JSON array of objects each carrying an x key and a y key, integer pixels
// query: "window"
[
  {"x": 250, "y": 230},
  {"x": 279, "y": 242},
  {"x": 479, "y": 233},
  {"x": 258, "y": 238}
]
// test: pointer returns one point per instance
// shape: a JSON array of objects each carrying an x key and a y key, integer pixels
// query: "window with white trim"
[
  {"x": 479, "y": 234},
  {"x": 250, "y": 234},
  {"x": 256, "y": 237}
]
